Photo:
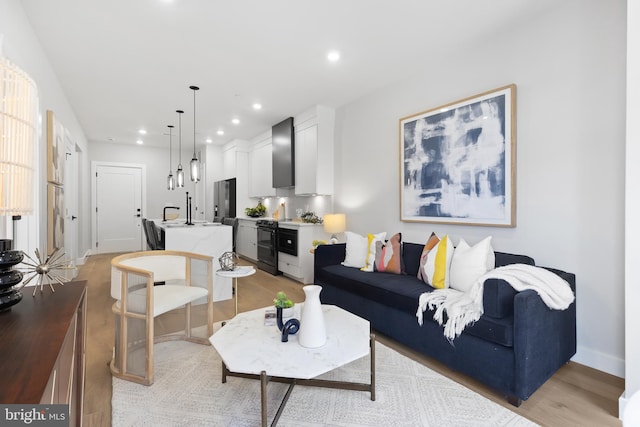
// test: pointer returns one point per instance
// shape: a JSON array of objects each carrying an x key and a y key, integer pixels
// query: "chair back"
[
  {"x": 153, "y": 236},
  {"x": 162, "y": 268},
  {"x": 145, "y": 228}
]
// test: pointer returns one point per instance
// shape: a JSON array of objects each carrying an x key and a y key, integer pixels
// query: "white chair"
[{"x": 188, "y": 291}]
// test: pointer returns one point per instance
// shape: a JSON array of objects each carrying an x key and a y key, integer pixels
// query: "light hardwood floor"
[{"x": 575, "y": 396}]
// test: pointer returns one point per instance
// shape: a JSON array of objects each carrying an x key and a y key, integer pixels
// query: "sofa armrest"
[
  {"x": 325, "y": 255},
  {"x": 544, "y": 339}
]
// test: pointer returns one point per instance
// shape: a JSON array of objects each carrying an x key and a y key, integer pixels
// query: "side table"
[{"x": 239, "y": 271}]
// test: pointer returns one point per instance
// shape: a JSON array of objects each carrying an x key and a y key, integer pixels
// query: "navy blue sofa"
[{"x": 514, "y": 348}]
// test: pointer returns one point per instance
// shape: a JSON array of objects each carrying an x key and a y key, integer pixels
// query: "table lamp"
[
  {"x": 18, "y": 121},
  {"x": 334, "y": 224}
]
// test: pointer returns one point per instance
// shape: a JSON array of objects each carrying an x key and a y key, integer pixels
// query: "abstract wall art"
[
  {"x": 457, "y": 162},
  {"x": 55, "y": 217},
  {"x": 55, "y": 149}
]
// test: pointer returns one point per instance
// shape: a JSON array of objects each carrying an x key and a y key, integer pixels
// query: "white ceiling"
[{"x": 128, "y": 64}]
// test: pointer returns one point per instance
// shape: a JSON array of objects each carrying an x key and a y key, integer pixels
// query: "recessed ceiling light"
[
  {"x": 443, "y": 110},
  {"x": 257, "y": 106},
  {"x": 235, "y": 121},
  {"x": 209, "y": 140},
  {"x": 142, "y": 132},
  {"x": 333, "y": 56},
  {"x": 220, "y": 132},
  {"x": 139, "y": 142}
]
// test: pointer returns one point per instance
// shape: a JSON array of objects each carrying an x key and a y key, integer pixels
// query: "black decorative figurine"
[
  {"x": 290, "y": 327},
  {"x": 10, "y": 294}
]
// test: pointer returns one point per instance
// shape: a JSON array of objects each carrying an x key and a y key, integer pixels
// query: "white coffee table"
[
  {"x": 249, "y": 349},
  {"x": 239, "y": 271}
]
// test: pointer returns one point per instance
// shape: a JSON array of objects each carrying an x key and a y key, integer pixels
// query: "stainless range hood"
[{"x": 283, "y": 157}]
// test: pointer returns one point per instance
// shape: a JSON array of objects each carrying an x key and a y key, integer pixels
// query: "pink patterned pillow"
[{"x": 389, "y": 255}]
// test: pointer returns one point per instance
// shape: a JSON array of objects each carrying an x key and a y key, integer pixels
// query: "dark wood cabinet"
[{"x": 42, "y": 349}]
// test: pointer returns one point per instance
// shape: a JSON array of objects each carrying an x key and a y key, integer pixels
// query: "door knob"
[{"x": 73, "y": 217}]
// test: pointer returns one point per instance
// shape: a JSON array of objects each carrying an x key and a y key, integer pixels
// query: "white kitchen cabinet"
[
  {"x": 300, "y": 267},
  {"x": 247, "y": 239},
  {"x": 314, "y": 148},
  {"x": 234, "y": 158},
  {"x": 260, "y": 168}
]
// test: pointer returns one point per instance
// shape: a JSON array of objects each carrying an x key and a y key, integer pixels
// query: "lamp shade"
[
  {"x": 18, "y": 122},
  {"x": 335, "y": 223}
]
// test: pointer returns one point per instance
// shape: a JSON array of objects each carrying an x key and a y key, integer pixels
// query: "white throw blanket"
[{"x": 465, "y": 308}]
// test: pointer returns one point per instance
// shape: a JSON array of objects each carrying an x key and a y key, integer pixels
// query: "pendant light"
[
  {"x": 170, "y": 182},
  {"x": 195, "y": 163},
  {"x": 180, "y": 172}
]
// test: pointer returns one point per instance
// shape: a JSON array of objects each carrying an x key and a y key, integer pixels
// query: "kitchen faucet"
[{"x": 164, "y": 212}]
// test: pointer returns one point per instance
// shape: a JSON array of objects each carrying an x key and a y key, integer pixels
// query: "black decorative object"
[
  {"x": 10, "y": 294},
  {"x": 291, "y": 326}
]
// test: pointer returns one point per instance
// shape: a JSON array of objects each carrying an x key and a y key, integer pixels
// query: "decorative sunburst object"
[
  {"x": 228, "y": 261},
  {"x": 45, "y": 269}
]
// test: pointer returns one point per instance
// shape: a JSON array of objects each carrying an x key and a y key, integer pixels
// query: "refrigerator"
[{"x": 224, "y": 199}]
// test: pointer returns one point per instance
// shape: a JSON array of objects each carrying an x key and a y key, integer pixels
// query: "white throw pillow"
[
  {"x": 357, "y": 250},
  {"x": 469, "y": 263}
]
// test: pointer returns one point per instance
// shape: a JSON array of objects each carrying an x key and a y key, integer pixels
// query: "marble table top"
[
  {"x": 248, "y": 346},
  {"x": 239, "y": 271}
]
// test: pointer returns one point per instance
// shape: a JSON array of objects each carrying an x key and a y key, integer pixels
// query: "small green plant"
[
  {"x": 259, "y": 210},
  {"x": 282, "y": 301}
]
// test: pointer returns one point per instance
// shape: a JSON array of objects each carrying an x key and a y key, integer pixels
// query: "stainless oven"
[{"x": 268, "y": 246}]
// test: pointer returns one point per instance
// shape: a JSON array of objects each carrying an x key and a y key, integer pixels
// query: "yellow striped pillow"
[
  {"x": 371, "y": 249},
  {"x": 436, "y": 267}
]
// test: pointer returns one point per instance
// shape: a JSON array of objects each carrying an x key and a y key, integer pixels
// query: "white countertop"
[
  {"x": 180, "y": 223},
  {"x": 292, "y": 223}
]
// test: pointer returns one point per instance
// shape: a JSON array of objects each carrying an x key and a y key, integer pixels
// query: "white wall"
[
  {"x": 21, "y": 46},
  {"x": 632, "y": 267},
  {"x": 568, "y": 65},
  {"x": 156, "y": 160}
]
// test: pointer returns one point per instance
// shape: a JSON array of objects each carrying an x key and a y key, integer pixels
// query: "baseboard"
[
  {"x": 83, "y": 259},
  {"x": 600, "y": 361},
  {"x": 622, "y": 404}
]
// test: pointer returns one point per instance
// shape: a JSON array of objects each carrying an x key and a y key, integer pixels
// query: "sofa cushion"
[
  {"x": 393, "y": 290},
  {"x": 498, "y": 331},
  {"x": 411, "y": 254},
  {"x": 401, "y": 292}
]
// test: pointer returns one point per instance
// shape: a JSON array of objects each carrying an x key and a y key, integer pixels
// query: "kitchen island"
[{"x": 207, "y": 238}]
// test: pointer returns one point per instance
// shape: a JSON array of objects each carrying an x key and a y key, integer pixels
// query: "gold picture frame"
[{"x": 458, "y": 162}]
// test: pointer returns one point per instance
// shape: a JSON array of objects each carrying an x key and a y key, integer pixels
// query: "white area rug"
[{"x": 188, "y": 392}]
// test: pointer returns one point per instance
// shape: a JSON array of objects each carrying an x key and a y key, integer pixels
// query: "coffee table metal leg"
[{"x": 263, "y": 397}]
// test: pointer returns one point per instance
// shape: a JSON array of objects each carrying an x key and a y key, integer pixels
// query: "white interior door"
[
  {"x": 118, "y": 191},
  {"x": 71, "y": 202}
]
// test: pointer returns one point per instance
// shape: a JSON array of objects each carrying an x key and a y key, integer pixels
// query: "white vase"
[{"x": 312, "y": 330}]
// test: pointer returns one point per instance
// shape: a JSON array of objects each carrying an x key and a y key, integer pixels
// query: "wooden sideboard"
[{"x": 42, "y": 349}]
